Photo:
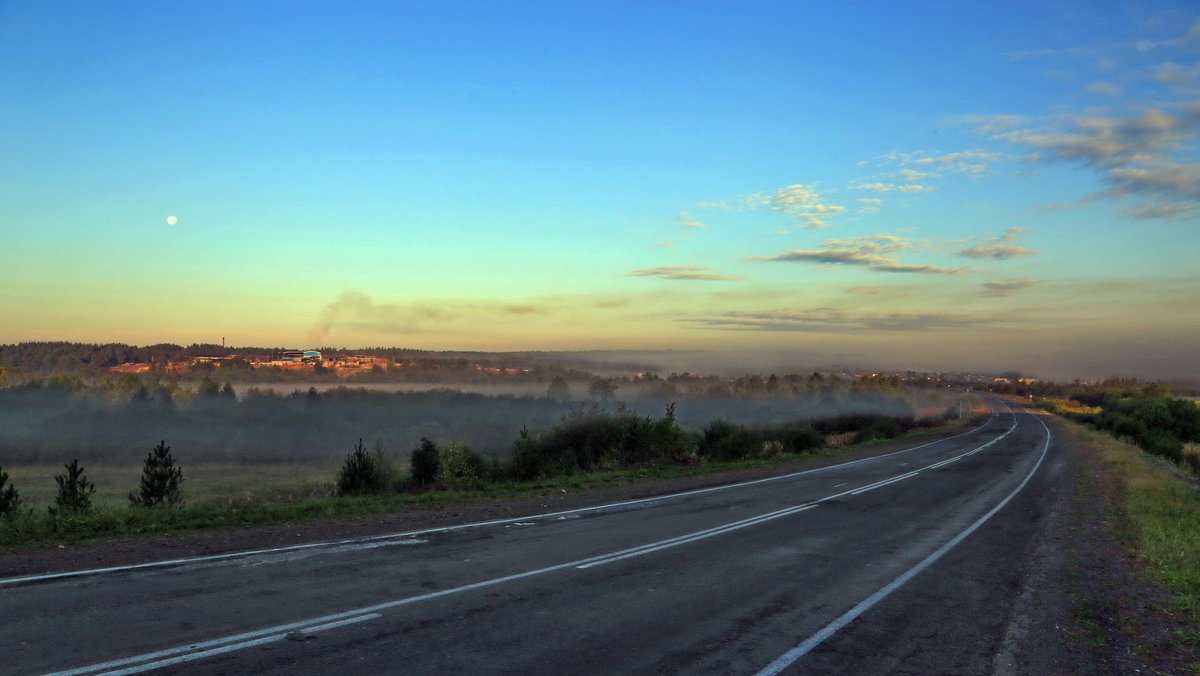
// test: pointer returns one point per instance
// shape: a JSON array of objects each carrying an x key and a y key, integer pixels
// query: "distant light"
[{"x": 171, "y": 220}]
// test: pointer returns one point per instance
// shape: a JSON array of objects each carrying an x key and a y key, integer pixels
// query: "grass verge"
[
  {"x": 226, "y": 495},
  {"x": 1160, "y": 512}
]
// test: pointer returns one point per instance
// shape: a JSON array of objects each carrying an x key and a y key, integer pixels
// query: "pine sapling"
[
  {"x": 10, "y": 500},
  {"x": 74, "y": 491},
  {"x": 160, "y": 479}
]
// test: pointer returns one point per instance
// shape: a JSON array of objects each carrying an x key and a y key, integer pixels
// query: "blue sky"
[{"x": 934, "y": 185}]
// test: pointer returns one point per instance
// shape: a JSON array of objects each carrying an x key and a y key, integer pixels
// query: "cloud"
[
  {"x": 985, "y": 125},
  {"x": 1185, "y": 79},
  {"x": 1006, "y": 287},
  {"x": 1168, "y": 211},
  {"x": 831, "y": 320},
  {"x": 999, "y": 248},
  {"x": 876, "y": 291},
  {"x": 965, "y": 162},
  {"x": 893, "y": 187},
  {"x": 684, "y": 272},
  {"x": 870, "y": 205},
  {"x": 997, "y": 252},
  {"x": 1106, "y": 88},
  {"x": 1134, "y": 156},
  {"x": 804, "y": 203},
  {"x": 685, "y": 219},
  {"x": 866, "y": 251}
]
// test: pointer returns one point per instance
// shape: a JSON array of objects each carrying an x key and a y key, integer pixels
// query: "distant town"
[{"x": 344, "y": 365}]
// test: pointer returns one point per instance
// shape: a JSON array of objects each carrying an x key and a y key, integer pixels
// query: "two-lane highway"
[{"x": 858, "y": 563}]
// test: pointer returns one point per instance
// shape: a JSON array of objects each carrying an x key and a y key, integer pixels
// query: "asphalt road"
[{"x": 907, "y": 562}]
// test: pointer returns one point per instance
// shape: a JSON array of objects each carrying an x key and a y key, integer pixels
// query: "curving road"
[{"x": 909, "y": 561}]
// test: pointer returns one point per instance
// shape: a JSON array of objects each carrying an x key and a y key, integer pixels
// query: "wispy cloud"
[
  {"x": 998, "y": 248},
  {"x": 867, "y": 251},
  {"x": 1006, "y": 287},
  {"x": 826, "y": 320},
  {"x": 894, "y": 187},
  {"x": 802, "y": 202},
  {"x": 683, "y": 272},
  {"x": 685, "y": 219},
  {"x": 1144, "y": 154}
]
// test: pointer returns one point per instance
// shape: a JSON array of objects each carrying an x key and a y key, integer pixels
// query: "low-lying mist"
[{"x": 119, "y": 423}]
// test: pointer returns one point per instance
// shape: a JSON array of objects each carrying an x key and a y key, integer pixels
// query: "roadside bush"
[
  {"x": 724, "y": 440},
  {"x": 799, "y": 438},
  {"x": 424, "y": 462},
  {"x": 362, "y": 473},
  {"x": 881, "y": 428},
  {"x": 74, "y": 491},
  {"x": 10, "y": 499},
  {"x": 1163, "y": 444},
  {"x": 460, "y": 468},
  {"x": 527, "y": 459},
  {"x": 161, "y": 479}
]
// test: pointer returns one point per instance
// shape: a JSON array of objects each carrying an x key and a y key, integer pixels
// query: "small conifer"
[{"x": 160, "y": 479}]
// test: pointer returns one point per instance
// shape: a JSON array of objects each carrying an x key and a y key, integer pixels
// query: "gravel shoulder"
[{"x": 1086, "y": 606}]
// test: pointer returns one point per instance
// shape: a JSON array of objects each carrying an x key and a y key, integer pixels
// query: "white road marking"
[
  {"x": 570, "y": 513},
  {"x": 231, "y": 643},
  {"x": 249, "y": 639},
  {"x": 788, "y": 658}
]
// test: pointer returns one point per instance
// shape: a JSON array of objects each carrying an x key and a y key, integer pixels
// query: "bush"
[
  {"x": 460, "y": 468},
  {"x": 527, "y": 458},
  {"x": 362, "y": 472},
  {"x": 800, "y": 438},
  {"x": 10, "y": 499},
  {"x": 74, "y": 491},
  {"x": 724, "y": 440},
  {"x": 160, "y": 479},
  {"x": 424, "y": 462}
]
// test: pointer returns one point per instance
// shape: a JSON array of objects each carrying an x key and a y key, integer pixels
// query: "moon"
[{"x": 171, "y": 220}]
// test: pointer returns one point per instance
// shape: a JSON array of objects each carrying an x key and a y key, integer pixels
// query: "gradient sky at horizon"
[{"x": 922, "y": 185}]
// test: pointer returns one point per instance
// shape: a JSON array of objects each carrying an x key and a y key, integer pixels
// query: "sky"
[{"x": 920, "y": 184}]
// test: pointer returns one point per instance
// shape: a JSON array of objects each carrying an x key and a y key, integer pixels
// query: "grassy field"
[
  {"x": 1161, "y": 515},
  {"x": 220, "y": 495},
  {"x": 205, "y": 483}
]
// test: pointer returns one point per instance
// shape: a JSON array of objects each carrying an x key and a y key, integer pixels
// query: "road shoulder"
[{"x": 1085, "y": 606}]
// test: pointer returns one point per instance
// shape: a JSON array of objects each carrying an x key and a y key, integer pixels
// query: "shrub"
[
  {"x": 460, "y": 468},
  {"x": 424, "y": 462},
  {"x": 10, "y": 499},
  {"x": 160, "y": 479},
  {"x": 527, "y": 458},
  {"x": 800, "y": 438},
  {"x": 74, "y": 491},
  {"x": 724, "y": 440},
  {"x": 1163, "y": 444},
  {"x": 362, "y": 473}
]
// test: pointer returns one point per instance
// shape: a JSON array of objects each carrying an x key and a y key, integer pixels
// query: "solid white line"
[
  {"x": 276, "y": 550},
  {"x": 646, "y": 549},
  {"x": 231, "y": 648},
  {"x": 245, "y": 640},
  {"x": 880, "y": 484},
  {"x": 256, "y": 637},
  {"x": 788, "y": 658}
]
